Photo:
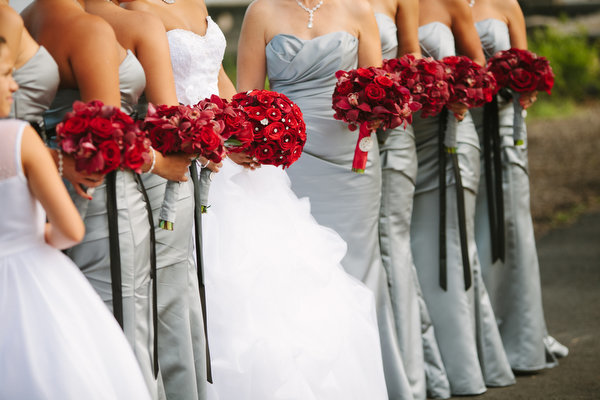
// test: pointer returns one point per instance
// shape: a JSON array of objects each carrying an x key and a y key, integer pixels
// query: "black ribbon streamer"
[
  {"x": 115, "y": 251},
  {"x": 200, "y": 260},
  {"x": 442, "y": 123},
  {"x": 140, "y": 183},
  {"x": 115, "y": 257},
  {"x": 460, "y": 200},
  {"x": 493, "y": 175}
]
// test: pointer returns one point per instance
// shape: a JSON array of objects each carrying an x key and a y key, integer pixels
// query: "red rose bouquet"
[
  {"x": 236, "y": 129},
  {"x": 102, "y": 138},
  {"x": 522, "y": 71},
  {"x": 471, "y": 85},
  {"x": 278, "y": 128},
  {"x": 425, "y": 78},
  {"x": 187, "y": 129},
  {"x": 372, "y": 98}
]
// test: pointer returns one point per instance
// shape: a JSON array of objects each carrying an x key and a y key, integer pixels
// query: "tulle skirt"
[
  {"x": 57, "y": 338},
  {"x": 284, "y": 319}
]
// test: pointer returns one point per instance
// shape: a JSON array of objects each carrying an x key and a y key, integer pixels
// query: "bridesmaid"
[
  {"x": 464, "y": 322},
  {"x": 58, "y": 340},
  {"x": 36, "y": 72},
  {"x": 181, "y": 339},
  {"x": 92, "y": 65},
  {"x": 300, "y": 45},
  {"x": 513, "y": 281},
  {"x": 398, "y": 24}
]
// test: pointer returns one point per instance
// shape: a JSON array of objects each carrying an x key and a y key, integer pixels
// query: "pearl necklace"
[{"x": 310, "y": 11}]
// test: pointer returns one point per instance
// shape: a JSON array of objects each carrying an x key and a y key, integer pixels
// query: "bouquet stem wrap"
[
  {"x": 450, "y": 141},
  {"x": 204, "y": 183},
  {"x": 168, "y": 210},
  {"x": 518, "y": 121},
  {"x": 363, "y": 145}
]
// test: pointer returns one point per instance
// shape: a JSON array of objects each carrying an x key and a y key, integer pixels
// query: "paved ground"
[{"x": 570, "y": 268}]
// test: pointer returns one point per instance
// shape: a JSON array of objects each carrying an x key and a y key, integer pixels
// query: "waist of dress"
[{"x": 20, "y": 244}]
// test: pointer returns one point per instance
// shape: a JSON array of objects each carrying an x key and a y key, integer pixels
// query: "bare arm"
[
  {"x": 407, "y": 22},
  {"x": 251, "y": 59},
  {"x": 369, "y": 42},
  {"x": 463, "y": 29},
  {"x": 226, "y": 88},
  {"x": 152, "y": 50},
  {"x": 65, "y": 227},
  {"x": 516, "y": 24},
  {"x": 94, "y": 59},
  {"x": 11, "y": 28}
]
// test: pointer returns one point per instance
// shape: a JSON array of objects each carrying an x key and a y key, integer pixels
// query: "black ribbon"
[
  {"x": 114, "y": 249},
  {"x": 115, "y": 256},
  {"x": 140, "y": 183},
  {"x": 492, "y": 153},
  {"x": 200, "y": 260},
  {"x": 460, "y": 203},
  {"x": 442, "y": 124}
]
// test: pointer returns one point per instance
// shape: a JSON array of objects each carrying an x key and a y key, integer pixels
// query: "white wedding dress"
[
  {"x": 284, "y": 319},
  {"x": 58, "y": 341}
]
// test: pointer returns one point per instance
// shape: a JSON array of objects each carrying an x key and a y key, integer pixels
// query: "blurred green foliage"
[{"x": 575, "y": 60}]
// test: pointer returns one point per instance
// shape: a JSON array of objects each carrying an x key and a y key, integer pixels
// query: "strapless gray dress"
[
  {"x": 92, "y": 255},
  {"x": 38, "y": 81},
  {"x": 418, "y": 345},
  {"x": 464, "y": 322},
  {"x": 514, "y": 285},
  {"x": 347, "y": 202}
]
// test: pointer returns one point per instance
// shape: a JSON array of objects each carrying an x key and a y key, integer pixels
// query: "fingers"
[{"x": 79, "y": 190}]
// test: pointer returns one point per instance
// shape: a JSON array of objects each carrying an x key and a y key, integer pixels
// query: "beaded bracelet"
[{"x": 60, "y": 163}]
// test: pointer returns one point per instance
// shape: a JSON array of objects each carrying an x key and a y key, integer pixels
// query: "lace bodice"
[
  {"x": 388, "y": 34},
  {"x": 196, "y": 61},
  {"x": 436, "y": 40},
  {"x": 23, "y": 220},
  {"x": 494, "y": 36}
]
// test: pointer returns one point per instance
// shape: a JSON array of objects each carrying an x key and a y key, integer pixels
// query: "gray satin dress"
[
  {"x": 181, "y": 339},
  {"x": 416, "y": 335},
  {"x": 38, "y": 81},
  {"x": 347, "y": 202},
  {"x": 464, "y": 322},
  {"x": 514, "y": 285},
  {"x": 92, "y": 255}
]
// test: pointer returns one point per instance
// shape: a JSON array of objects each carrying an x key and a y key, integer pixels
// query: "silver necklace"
[
  {"x": 169, "y": 1},
  {"x": 471, "y": 3},
  {"x": 310, "y": 11}
]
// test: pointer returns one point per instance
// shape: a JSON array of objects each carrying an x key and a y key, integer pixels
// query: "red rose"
[
  {"x": 274, "y": 130},
  {"x": 273, "y": 114},
  {"x": 134, "y": 158},
  {"x": 73, "y": 126},
  {"x": 111, "y": 155},
  {"x": 101, "y": 127},
  {"x": 523, "y": 80},
  {"x": 384, "y": 81}
]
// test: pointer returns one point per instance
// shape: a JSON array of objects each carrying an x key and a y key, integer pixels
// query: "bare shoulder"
[
  {"x": 10, "y": 20},
  {"x": 138, "y": 5},
  {"x": 86, "y": 28},
  {"x": 508, "y": 7},
  {"x": 261, "y": 9},
  {"x": 357, "y": 8},
  {"x": 143, "y": 23}
]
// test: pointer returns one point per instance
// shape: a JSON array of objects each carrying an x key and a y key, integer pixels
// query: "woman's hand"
[
  {"x": 206, "y": 163},
  {"x": 77, "y": 179},
  {"x": 173, "y": 167},
  {"x": 459, "y": 110},
  {"x": 244, "y": 160},
  {"x": 527, "y": 99}
]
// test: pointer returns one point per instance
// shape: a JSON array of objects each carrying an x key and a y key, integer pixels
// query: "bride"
[{"x": 284, "y": 320}]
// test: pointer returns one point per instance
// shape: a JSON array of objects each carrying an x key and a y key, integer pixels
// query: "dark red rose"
[{"x": 111, "y": 154}]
